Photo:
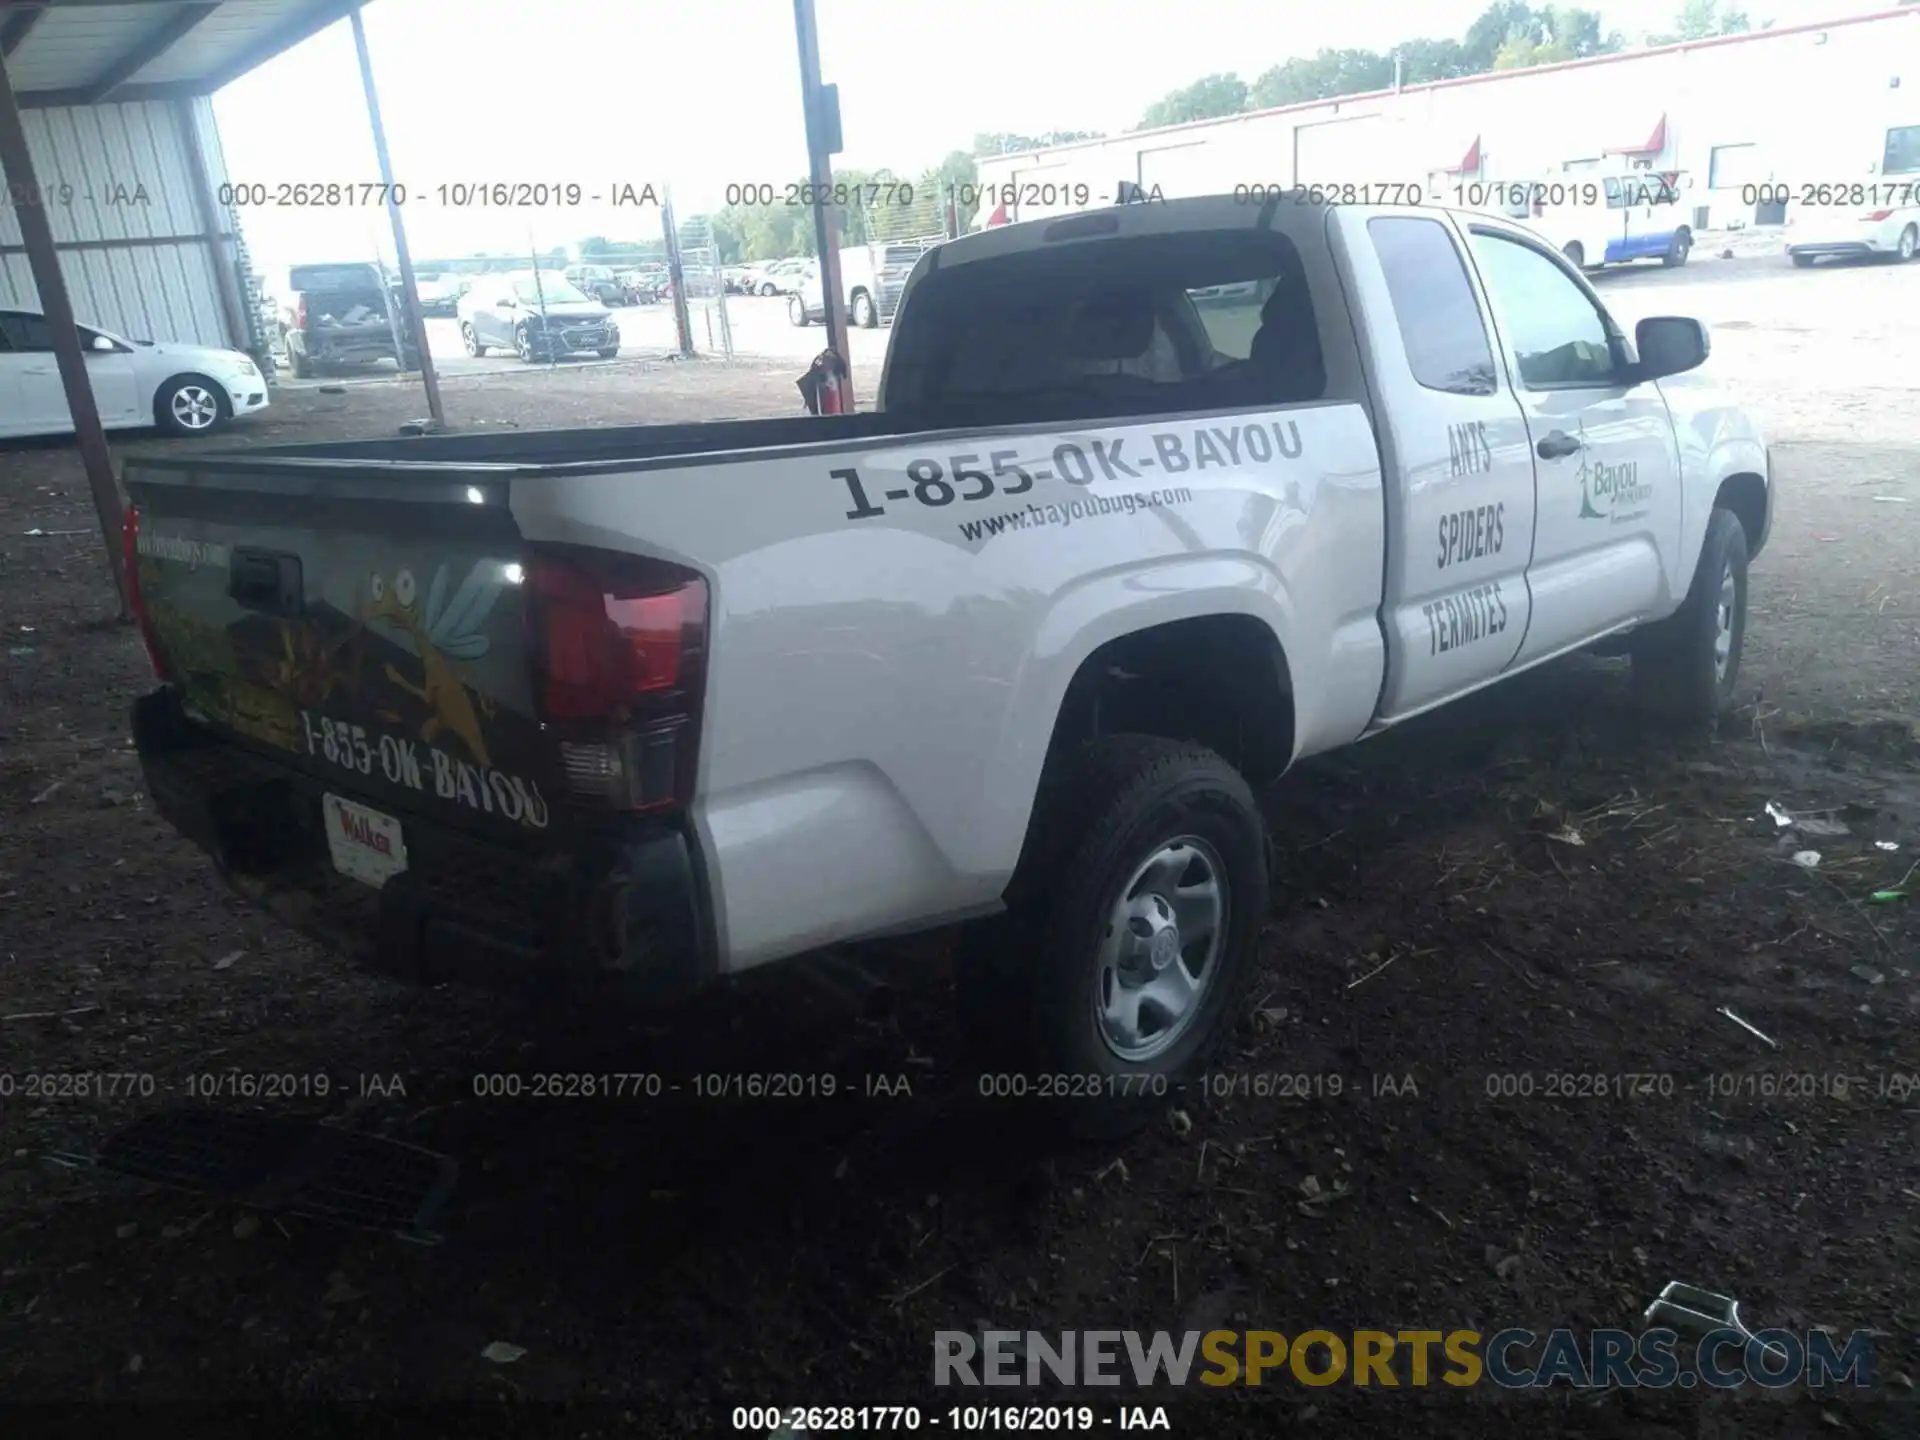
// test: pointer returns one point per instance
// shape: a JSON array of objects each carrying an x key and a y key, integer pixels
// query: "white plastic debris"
[
  {"x": 501, "y": 1352},
  {"x": 1807, "y": 859},
  {"x": 1780, "y": 817},
  {"x": 1886, "y": 844}
]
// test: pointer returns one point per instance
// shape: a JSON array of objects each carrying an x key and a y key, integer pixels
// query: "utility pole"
[
  {"x": 43, "y": 260},
  {"x": 822, "y": 104},
  {"x": 410, "y": 298}
]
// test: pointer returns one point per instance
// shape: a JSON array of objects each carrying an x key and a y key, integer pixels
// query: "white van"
[{"x": 1611, "y": 217}]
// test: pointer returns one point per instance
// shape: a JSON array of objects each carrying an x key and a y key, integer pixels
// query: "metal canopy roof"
[{"x": 92, "y": 52}]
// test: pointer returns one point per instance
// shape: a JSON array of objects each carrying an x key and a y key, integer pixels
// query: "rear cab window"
[
  {"x": 1440, "y": 323},
  {"x": 1135, "y": 324}
]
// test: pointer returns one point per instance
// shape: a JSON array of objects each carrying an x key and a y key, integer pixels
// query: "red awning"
[
  {"x": 1470, "y": 162},
  {"x": 1652, "y": 145},
  {"x": 998, "y": 217}
]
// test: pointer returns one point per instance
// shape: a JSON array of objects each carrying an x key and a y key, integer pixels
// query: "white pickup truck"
[{"x": 1015, "y": 652}]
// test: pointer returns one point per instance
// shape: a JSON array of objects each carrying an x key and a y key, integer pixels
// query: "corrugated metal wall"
[{"x": 118, "y": 180}]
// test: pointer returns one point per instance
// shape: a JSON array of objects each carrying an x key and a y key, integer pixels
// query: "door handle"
[{"x": 1556, "y": 446}]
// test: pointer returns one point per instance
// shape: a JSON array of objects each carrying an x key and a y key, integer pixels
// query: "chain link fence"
[{"x": 703, "y": 274}]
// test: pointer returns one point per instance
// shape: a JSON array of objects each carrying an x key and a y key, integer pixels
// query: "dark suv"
[{"x": 342, "y": 314}]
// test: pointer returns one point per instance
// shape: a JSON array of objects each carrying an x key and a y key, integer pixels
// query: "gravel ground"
[{"x": 661, "y": 1262}]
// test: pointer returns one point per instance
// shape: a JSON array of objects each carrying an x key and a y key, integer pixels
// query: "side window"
[
  {"x": 1440, "y": 323},
  {"x": 25, "y": 332},
  {"x": 1902, "y": 156},
  {"x": 1558, "y": 336}
]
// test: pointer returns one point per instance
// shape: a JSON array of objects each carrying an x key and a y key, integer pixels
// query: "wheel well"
[
  {"x": 1746, "y": 497},
  {"x": 220, "y": 396},
  {"x": 1685, "y": 232},
  {"x": 1219, "y": 680}
]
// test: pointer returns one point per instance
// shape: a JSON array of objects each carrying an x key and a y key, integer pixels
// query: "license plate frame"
[{"x": 366, "y": 844}]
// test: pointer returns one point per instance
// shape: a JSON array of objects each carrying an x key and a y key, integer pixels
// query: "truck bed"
[{"x": 621, "y": 445}]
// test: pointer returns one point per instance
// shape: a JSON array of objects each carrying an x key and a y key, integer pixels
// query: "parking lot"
[{"x": 662, "y": 1261}]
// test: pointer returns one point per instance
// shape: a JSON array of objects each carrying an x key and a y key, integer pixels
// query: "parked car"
[
  {"x": 439, "y": 293},
  {"x": 341, "y": 314},
  {"x": 734, "y": 278},
  {"x": 182, "y": 389},
  {"x": 781, "y": 276},
  {"x": 647, "y": 283},
  {"x": 687, "y": 696},
  {"x": 597, "y": 282},
  {"x": 538, "y": 317},
  {"x": 872, "y": 277},
  {"x": 1874, "y": 218}
]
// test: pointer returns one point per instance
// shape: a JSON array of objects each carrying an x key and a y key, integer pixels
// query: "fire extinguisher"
[{"x": 824, "y": 387}]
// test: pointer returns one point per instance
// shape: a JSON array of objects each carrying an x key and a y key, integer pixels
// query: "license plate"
[{"x": 366, "y": 844}]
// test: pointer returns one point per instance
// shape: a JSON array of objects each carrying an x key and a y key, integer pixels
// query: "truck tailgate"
[{"x": 368, "y": 628}]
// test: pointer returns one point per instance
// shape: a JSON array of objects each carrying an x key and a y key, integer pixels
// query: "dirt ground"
[{"x": 662, "y": 1261}]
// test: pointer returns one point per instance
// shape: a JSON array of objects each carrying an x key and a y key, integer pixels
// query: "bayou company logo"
[{"x": 1612, "y": 492}]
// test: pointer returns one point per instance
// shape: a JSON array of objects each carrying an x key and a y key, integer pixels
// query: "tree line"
[{"x": 1509, "y": 35}]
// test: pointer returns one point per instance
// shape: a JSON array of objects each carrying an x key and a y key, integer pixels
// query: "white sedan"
[
  {"x": 182, "y": 389},
  {"x": 1872, "y": 231}
]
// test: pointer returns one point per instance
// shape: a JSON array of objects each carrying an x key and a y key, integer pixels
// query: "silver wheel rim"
[
  {"x": 194, "y": 407},
  {"x": 1161, "y": 949},
  {"x": 472, "y": 339},
  {"x": 523, "y": 343},
  {"x": 1906, "y": 244},
  {"x": 1723, "y": 626}
]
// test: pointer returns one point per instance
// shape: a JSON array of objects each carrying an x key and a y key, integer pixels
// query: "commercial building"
[{"x": 1806, "y": 104}]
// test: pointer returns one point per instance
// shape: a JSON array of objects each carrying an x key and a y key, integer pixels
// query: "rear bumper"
[
  {"x": 626, "y": 907},
  {"x": 1837, "y": 249}
]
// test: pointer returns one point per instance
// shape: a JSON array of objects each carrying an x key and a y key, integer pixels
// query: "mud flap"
[{"x": 285, "y": 1164}]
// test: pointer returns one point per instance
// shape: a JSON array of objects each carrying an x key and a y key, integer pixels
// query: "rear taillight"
[
  {"x": 1877, "y": 216},
  {"x": 130, "y": 562},
  {"x": 300, "y": 314},
  {"x": 619, "y": 655}
]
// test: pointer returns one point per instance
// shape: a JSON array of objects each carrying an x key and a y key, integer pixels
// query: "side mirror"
[
  {"x": 1670, "y": 345},
  {"x": 103, "y": 344}
]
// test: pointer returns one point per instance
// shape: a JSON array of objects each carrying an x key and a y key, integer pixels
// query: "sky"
[{"x": 695, "y": 98}]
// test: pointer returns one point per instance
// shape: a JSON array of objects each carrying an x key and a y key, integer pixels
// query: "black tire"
[
  {"x": 1909, "y": 243},
  {"x": 299, "y": 364},
  {"x": 1677, "y": 668},
  {"x": 523, "y": 343},
  {"x": 1804, "y": 262},
  {"x": 1576, "y": 254},
  {"x": 470, "y": 338},
  {"x": 797, "y": 312},
  {"x": 1027, "y": 980},
  {"x": 205, "y": 410},
  {"x": 865, "y": 313},
  {"x": 767, "y": 289},
  {"x": 1678, "y": 251}
]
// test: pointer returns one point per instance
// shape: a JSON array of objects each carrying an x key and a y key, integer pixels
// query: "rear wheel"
[
  {"x": 470, "y": 338},
  {"x": 1129, "y": 932},
  {"x": 1678, "y": 251},
  {"x": 523, "y": 342},
  {"x": 796, "y": 310},
  {"x": 1576, "y": 253},
  {"x": 190, "y": 405},
  {"x": 298, "y": 363},
  {"x": 1909, "y": 242},
  {"x": 1804, "y": 262},
  {"x": 865, "y": 314},
  {"x": 1685, "y": 667}
]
